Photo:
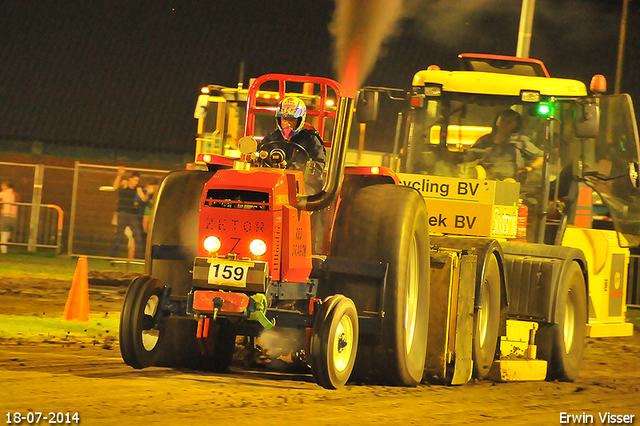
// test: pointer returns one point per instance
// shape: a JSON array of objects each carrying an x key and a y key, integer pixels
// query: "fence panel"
[
  {"x": 43, "y": 231},
  {"x": 94, "y": 202}
]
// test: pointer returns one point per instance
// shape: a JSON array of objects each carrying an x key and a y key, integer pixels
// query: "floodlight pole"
[{"x": 526, "y": 24}]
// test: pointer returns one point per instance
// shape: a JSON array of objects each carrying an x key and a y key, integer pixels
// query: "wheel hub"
[
  {"x": 150, "y": 336},
  {"x": 342, "y": 342}
]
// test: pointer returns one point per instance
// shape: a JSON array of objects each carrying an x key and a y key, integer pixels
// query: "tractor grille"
[{"x": 237, "y": 199}]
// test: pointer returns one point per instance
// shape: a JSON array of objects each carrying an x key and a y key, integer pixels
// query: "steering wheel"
[{"x": 277, "y": 153}]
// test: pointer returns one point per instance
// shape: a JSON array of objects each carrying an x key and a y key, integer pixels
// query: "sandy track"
[{"x": 84, "y": 375}]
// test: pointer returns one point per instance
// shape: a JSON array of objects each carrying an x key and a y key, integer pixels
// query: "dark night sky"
[{"x": 126, "y": 74}]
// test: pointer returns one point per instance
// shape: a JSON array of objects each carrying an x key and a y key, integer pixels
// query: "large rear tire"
[
  {"x": 174, "y": 225},
  {"x": 486, "y": 319},
  {"x": 334, "y": 342},
  {"x": 562, "y": 344},
  {"x": 387, "y": 224},
  {"x": 140, "y": 343}
]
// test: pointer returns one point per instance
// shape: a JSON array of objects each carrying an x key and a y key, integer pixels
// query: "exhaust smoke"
[{"x": 359, "y": 28}]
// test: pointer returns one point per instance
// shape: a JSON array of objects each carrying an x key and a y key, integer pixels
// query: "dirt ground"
[{"x": 82, "y": 371}]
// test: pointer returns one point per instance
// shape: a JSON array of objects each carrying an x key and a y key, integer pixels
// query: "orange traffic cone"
[{"x": 77, "y": 307}]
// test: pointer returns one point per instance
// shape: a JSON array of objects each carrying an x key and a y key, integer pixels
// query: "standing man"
[
  {"x": 128, "y": 212},
  {"x": 8, "y": 213}
]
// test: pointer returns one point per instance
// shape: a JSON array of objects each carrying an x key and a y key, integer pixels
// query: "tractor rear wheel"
[
  {"x": 387, "y": 224},
  {"x": 562, "y": 344},
  {"x": 173, "y": 244},
  {"x": 334, "y": 342}
]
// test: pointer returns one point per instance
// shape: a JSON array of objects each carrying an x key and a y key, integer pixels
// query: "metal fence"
[
  {"x": 83, "y": 192},
  {"x": 37, "y": 225},
  {"x": 93, "y": 204}
]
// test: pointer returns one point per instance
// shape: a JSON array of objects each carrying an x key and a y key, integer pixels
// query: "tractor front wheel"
[
  {"x": 334, "y": 342},
  {"x": 139, "y": 340}
]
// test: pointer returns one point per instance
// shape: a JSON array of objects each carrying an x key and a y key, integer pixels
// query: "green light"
[{"x": 544, "y": 109}]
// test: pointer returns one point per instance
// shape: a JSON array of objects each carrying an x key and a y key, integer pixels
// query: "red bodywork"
[
  {"x": 285, "y": 230},
  {"x": 232, "y": 302}
]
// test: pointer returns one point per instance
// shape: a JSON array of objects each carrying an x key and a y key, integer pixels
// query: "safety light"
[
  {"x": 206, "y": 158},
  {"x": 375, "y": 170},
  {"x": 258, "y": 247},
  {"x": 212, "y": 244},
  {"x": 544, "y": 109},
  {"x": 529, "y": 96},
  {"x": 329, "y": 102}
]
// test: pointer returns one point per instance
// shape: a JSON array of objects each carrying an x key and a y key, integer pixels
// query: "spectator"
[
  {"x": 8, "y": 213},
  {"x": 153, "y": 187},
  {"x": 127, "y": 213}
]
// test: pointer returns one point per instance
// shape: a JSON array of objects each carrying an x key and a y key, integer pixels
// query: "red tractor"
[{"x": 230, "y": 254}]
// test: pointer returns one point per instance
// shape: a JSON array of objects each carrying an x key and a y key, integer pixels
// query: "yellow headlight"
[
  {"x": 258, "y": 247},
  {"x": 212, "y": 244}
]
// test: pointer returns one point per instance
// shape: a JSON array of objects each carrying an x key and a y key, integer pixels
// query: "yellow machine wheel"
[
  {"x": 486, "y": 318},
  {"x": 562, "y": 344}
]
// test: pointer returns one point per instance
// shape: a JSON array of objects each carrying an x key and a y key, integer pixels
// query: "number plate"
[{"x": 228, "y": 272}]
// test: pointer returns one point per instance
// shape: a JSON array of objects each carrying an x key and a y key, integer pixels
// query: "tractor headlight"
[
  {"x": 258, "y": 247},
  {"x": 212, "y": 244}
]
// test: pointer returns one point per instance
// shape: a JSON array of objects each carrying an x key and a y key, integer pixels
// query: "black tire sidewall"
[
  {"x": 377, "y": 224},
  {"x": 325, "y": 323},
  {"x": 132, "y": 319},
  {"x": 566, "y": 365},
  {"x": 344, "y": 307},
  {"x": 483, "y": 355}
]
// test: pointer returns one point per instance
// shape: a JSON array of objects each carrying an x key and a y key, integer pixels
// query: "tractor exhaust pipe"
[{"x": 335, "y": 173}]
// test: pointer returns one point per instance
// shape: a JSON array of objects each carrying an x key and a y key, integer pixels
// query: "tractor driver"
[
  {"x": 505, "y": 153},
  {"x": 291, "y": 135}
]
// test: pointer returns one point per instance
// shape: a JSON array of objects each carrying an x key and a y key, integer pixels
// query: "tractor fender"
[
  {"x": 535, "y": 272},
  {"x": 173, "y": 234}
]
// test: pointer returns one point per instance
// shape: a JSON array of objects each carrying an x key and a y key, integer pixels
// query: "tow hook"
[{"x": 217, "y": 305}]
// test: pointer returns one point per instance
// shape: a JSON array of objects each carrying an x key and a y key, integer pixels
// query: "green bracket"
[{"x": 257, "y": 310}]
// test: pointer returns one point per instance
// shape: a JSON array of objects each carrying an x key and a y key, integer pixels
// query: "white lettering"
[
  {"x": 583, "y": 418},
  {"x": 504, "y": 223},
  {"x": 608, "y": 418},
  {"x": 563, "y": 418}
]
